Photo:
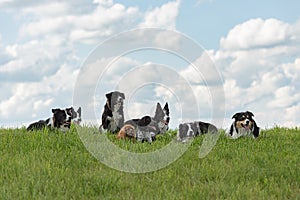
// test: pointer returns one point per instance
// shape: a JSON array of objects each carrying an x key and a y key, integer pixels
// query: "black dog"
[
  {"x": 146, "y": 128},
  {"x": 60, "y": 119},
  {"x": 192, "y": 129},
  {"x": 113, "y": 116},
  {"x": 243, "y": 125}
]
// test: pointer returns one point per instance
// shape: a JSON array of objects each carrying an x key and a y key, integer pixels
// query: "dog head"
[
  {"x": 243, "y": 124},
  {"x": 74, "y": 116},
  {"x": 59, "y": 117},
  {"x": 115, "y": 100},
  {"x": 162, "y": 117},
  {"x": 244, "y": 120},
  {"x": 127, "y": 131}
]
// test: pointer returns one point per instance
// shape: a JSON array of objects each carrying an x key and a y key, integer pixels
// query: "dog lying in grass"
[
  {"x": 192, "y": 129},
  {"x": 243, "y": 125},
  {"x": 61, "y": 119},
  {"x": 146, "y": 128}
]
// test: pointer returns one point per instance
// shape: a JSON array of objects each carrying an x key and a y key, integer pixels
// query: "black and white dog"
[
  {"x": 113, "y": 115},
  {"x": 146, "y": 128},
  {"x": 192, "y": 129},
  {"x": 73, "y": 116},
  {"x": 61, "y": 119},
  {"x": 243, "y": 125}
]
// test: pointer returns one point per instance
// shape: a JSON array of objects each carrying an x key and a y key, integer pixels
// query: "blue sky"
[
  {"x": 210, "y": 20},
  {"x": 253, "y": 44}
]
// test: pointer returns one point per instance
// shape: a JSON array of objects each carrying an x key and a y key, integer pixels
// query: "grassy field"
[{"x": 52, "y": 165}]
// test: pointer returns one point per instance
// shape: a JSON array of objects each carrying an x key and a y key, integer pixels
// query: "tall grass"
[{"x": 54, "y": 165}]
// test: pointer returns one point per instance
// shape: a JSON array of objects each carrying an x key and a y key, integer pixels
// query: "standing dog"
[
  {"x": 243, "y": 125},
  {"x": 146, "y": 128},
  {"x": 113, "y": 116},
  {"x": 60, "y": 119},
  {"x": 192, "y": 129}
]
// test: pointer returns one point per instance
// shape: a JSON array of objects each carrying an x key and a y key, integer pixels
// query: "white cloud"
[
  {"x": 257, "y": 33},
  {"x": 284, "y": 97},
  {"x": 260, "y": 64},
  {"x": 104, "y": 2},
  {"x": 50, "y": 9},
  {"x": 162, "y": 17},
  {"x": 34, "y": 59},
  {"x": 37, "y": 98},
  {"x": 202, "y": 71},
  {"x": 292, "y": 70},
  {"x": 39, "y": 70},
  {"x": 259, "y": 60},
  {"x": 89, "y": 26},
  {"x": 291, "y": 116}
]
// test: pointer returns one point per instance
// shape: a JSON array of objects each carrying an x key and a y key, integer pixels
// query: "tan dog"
[{"x": 127, "y": 131}]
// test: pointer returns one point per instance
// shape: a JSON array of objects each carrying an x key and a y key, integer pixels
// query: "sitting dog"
[
  {"x": 243, "y": 125},
  {"x": 60, "y": 119},
  {"x": 192, "y": 129},
  {"x": 146, "y": 128},
  {"x": 113, "y": 116}
]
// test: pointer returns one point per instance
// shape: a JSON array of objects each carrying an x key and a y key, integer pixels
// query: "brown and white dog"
[
  {"x": 146, "y": 128},
  {"x": 243, "y": 125}
]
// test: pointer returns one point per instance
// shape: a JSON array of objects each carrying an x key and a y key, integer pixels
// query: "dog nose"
[{"x": 247, "y": 122}]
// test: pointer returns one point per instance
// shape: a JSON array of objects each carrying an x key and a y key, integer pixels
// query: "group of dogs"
[{"x": 147, "y": 127}]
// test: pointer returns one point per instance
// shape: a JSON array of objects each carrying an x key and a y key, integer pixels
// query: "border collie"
[
  {"x": 72, "y": 116},
  {"x": 192, "y": 129},
  {"x": 146, "y": 128},
  {"x": 60, "y": 119},
  {"x": 243, "y": 125},
  {"x": 113, "y": 115}
]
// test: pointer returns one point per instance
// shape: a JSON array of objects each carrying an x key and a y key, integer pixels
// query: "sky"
[{"x": 207, "y": 58}]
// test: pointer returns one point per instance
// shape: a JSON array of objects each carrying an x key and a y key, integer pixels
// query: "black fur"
[
  {"x": 245, "y": 119},
  {"x": 60, "y": 118},
  {"x": 56, "y": 121},
  {"x": 73, "y": 116},
  {"x": 113, "y": 106},
  {"x": 146, "y": 128},
  {"x": 39, "y": 125},
  {"x": 193, "y": 129}
]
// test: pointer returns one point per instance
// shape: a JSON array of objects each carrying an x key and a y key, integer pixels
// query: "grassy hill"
[{"x": 52, "y": 165}]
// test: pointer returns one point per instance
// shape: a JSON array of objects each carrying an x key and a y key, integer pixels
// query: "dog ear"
[
  {"x": 79, "y": 110},
  {"x": 166, "y": 108},
  {"x": 158, "y": 111},
  {"x": 158, "y": 106},
  {"x": 250, "y": 113},
  {"x": 108, "y": 95},
  {"x": 55, "y": 110},
  {"x": 235, "y": 116},
  {"x": 122, "y": 95}
]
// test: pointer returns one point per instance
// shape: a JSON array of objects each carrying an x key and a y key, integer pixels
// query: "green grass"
[{"x": 53, "y": 165}]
